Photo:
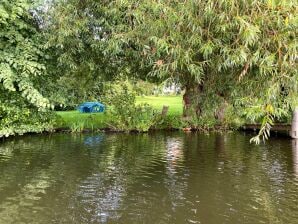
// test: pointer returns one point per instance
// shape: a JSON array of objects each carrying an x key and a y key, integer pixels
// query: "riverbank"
[{"x": 74, "y": 120}]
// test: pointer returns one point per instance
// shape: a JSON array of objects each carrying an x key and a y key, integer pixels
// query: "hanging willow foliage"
[{"x": 239, "y": 52}]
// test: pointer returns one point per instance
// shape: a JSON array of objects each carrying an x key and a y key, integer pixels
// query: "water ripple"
[{"x": 149, "y": 178}]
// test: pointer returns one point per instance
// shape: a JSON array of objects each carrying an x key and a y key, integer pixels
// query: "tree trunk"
[
  {"x": 220, "y": 112},
  {"x": 191, "y": 99}
]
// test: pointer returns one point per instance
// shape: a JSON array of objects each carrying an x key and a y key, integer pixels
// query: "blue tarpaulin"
[{"x": 91, "y": 107}]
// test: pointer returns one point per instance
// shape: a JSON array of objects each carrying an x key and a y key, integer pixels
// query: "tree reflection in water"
[
  {"x": 175, "y": 181},
  {"x": 148, "y": 178},
  {"x": 295, "y": 156}
]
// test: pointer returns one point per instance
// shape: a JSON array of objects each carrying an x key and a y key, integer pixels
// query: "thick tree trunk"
[
  {"x": 220, "y": 111},
  {"x": 191, "y": 99}
]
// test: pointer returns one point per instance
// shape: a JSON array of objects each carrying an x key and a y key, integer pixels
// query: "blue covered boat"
[{"x": 91, "y": 107}]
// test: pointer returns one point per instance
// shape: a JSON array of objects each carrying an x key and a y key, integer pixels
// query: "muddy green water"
[{"x": 148, "y": 178}]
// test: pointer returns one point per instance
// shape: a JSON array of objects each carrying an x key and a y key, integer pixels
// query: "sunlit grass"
[
  {"x": 101, "y": 120},
  {"x": 157, "y": 102}
]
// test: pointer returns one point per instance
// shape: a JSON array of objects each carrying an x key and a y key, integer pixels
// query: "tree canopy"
[
  {"x": 224, "y": 52},
  {"x": 21, "y": 56},
  {"x": 228, "y": 55}
]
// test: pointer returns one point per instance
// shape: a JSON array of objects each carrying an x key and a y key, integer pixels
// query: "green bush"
[
  {"x": 126, "y": 115},
  {"x": 168, "y": 122},
  {"x": 17, "y": 120}
]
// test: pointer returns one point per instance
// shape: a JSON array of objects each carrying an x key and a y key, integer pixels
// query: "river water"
[{"x": 148, "y": 178}]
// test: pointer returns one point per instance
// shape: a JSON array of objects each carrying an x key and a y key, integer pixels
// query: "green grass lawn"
[
  {"x": 157, "y": 102},
  {"x": 70, "y": 119}
]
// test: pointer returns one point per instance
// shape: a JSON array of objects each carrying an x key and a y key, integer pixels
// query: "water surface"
[{"x": 148, "y": 178}]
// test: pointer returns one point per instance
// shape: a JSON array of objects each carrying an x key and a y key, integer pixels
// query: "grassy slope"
[{"x": 100, "y": 120}]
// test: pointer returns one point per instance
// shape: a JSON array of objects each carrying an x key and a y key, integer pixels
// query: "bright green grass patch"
[
  {"x": 157, "y": 102},
  {"x": 74, "y": 119},
  {"x": 70, "y": 119}
]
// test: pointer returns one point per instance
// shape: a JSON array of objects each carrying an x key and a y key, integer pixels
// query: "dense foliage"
[
  {"x": 236, "y": 60},
  {"x": 126, "y": 114},
  {"x": 22, "y": 107},
  {"x": 76, "y": 32},
  {"x": 240, "y": 53}
]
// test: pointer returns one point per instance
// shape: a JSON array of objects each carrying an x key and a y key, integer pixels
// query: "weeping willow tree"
[
  {"x": 227, "y": 52},
  {"x": 22, "y": 107}
]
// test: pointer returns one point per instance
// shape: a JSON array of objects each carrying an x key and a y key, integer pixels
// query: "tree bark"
[
  {"x": 220, "y": 111},
  {"x": 191, "y": 100}
]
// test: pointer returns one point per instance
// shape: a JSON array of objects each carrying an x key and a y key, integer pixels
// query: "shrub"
[{"x": 126, "y": 114}]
